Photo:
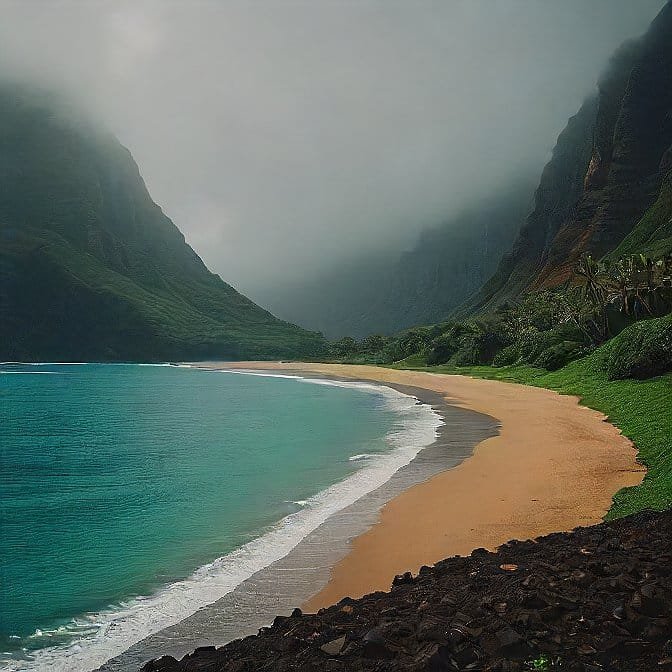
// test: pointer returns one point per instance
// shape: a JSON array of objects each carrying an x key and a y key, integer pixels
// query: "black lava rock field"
[{"x": 594, "y": 600}]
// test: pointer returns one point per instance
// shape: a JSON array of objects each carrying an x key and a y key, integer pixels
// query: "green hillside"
[
  {"x": 653, "y": 233},
  {"x": 91, "y": 268}
]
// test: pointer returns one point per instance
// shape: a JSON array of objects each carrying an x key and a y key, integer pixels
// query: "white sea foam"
[
  {"x": 361, "y": 456},
  {"x": 104, "y": 635},
  {"x": 45, "y": 363},
  {"x": 32, "y": 373},
  {"x": 175, "y": 366}
]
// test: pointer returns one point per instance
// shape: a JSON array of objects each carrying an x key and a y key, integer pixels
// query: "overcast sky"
[{"x": 282, "y": 135}]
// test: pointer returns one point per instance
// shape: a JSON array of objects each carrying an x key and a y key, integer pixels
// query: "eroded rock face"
[
  {"x": 633, "y": 130},
  {"x": 560, "y": 187},
  {"x": 606, "y": 171},
  {"x": 596, "y": 599}
]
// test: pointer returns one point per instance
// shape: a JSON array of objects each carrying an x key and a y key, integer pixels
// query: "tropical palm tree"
[
  {"x": 649, "y": 268},
  {"x": 594, "y": 279},
  {"x": 621, "y": 278},
  {"x": 595, "y": 291}
]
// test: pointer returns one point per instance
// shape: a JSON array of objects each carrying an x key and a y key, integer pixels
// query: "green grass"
[
  {"x": 653, "y": 233},
  {"x": 641, "y": 409}
]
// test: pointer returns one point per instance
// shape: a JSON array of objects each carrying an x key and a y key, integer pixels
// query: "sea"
[{"x": 134, "y": 496}]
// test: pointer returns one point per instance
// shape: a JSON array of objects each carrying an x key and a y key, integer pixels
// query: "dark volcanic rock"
[{"x": 599, "y": 598}]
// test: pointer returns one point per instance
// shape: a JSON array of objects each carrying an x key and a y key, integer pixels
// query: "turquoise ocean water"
[{"x": 131, "y": 495}]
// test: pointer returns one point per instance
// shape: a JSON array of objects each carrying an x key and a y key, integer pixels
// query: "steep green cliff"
[
  {"x": 91, "y": 268},
  {"x": 559, "y": 188}
]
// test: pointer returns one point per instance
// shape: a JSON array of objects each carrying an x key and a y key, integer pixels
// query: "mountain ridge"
[
  {"x": 608, "y": 178},
  {"x": 91, "y": 267}
]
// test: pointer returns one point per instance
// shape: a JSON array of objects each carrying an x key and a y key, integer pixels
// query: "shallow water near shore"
[
  {"x": 305, "y": 570},
  {"x": 132, "y": 496}
]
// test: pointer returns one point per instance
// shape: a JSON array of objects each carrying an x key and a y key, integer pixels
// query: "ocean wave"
[
  {"x": 247, "y": 372},
  {"x": 173, "y": 364},
  {"x": 104, "y": 635},
  {"x": 45, "y": 363},
  {"x": 32, "y": 373},
  {"x": 362, "y": 456}
]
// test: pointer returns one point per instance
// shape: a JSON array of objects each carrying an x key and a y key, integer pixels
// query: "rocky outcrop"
[
  {"x": 596, "y": 599},
  {"x": 653, "y": 233}
]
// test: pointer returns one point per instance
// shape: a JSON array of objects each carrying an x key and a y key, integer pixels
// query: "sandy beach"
[{"x": 555, "y": 465}]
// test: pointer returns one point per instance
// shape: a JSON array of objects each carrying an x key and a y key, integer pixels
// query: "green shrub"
[
  {"x": 643, "y": 350},
  {"x": 469, "y": 343},
  {"x": 344, "y": 348},
  {"x": 444, "y": 346},
  {"x": 532, "y": 343},
  {"x": 468, "y": 353},
  {"x": 559, "y": 355},
  {"x": 408, "y": 343},
  {"x": 507, "y": 356}
]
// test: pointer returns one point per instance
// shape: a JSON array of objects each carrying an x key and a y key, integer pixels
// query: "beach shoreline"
[
  {"x": 553, "y": 466},
  {"x": 425, "y": 424}
]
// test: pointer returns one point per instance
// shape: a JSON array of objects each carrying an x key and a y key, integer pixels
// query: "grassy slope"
[
  {"x": 642, "y": 409},
  {"x": 653, "y": 233},
  {"x": 91, "y": 268},
  {"x": 136, "y": 321}
]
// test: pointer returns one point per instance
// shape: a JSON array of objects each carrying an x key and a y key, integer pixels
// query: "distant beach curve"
[{"x": 555, "y": 465}]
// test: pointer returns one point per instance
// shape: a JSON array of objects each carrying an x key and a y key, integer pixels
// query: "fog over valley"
[
  {"x": 305, "y": 304},
  {"x": 286, "y": 139}
]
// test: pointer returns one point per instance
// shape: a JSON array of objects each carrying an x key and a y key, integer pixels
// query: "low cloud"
[{"x": 284, "y": 137}]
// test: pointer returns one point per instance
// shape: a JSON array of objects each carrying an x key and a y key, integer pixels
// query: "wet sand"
[
  {"x": 555, "y": 465},
  {"x": 292, "y": 580}
]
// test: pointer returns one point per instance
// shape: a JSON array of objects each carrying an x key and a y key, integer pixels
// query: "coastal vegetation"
[
  {"x": 606, "y": 338},
  {"x": 630, "y": 298}
]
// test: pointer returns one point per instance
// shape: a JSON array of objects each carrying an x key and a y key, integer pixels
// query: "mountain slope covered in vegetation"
[
  {"x": 653, "y": 233},
  {"x": 606, "y": 188},
  {"x": 92, "y": 269}
]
